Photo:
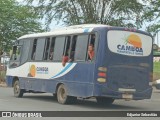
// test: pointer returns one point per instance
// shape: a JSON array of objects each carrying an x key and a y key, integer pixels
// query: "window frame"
[
  {"x": 40, "y": 49},
  {"x": 59, "y": 60},
  {"x": 45, "y": 48},
  {"x": 51, "y": 40},
  {"x": 31, "y": 51},
  {"x": 27, "y": 58},
  {"x": 96, "y": 42},
  {"x": 16, "y": 63},
  {"x": 71, "y": 41},
  {"x": 84, "y": 60}
]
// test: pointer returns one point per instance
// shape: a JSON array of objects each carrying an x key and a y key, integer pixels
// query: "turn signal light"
[
  {"x": 101, "y": 80},
  {"x": 102, "y": 69}
]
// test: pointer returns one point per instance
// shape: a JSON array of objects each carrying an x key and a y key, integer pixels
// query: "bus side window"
[
  {"x": 91, "y": 47},
  {"x": 34, "y": 49},
  {"x": 25, "y": 51},
  {"x": 16, "y": 53},
  {"x": 81, "y": 48},
  {"x": 40, "y": 49},
  {"x": 73, "y": 48},
  {"x": 51, "y": 51},
  {"x": 46, "y": 51},
  {"x": 59, "y": 48},
  {"x": 65, "y": 57},
  {"x": 13, "y": 52}
]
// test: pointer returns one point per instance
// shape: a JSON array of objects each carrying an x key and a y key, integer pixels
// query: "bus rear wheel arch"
[
  {"x": 18, "y": 92},
  {"x": 104, "y": 100},
  {"x": 63, "y": 97}
]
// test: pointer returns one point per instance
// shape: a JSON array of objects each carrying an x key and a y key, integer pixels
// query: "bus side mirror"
[{"x": 14, "y": 49}]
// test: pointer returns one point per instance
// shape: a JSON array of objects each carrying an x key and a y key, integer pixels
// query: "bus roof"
[{"x": 66, "y": 30}]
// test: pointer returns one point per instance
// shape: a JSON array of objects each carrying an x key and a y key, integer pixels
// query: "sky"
[{"x": 54, "y": 25}]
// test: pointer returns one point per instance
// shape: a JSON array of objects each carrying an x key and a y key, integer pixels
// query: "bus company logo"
[
  {"x": 33, "y": 70},
  {"x": 132, "y": 46}
]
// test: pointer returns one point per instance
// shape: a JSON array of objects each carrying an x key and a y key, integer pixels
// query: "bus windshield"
[{"x": 129, "y": 43}]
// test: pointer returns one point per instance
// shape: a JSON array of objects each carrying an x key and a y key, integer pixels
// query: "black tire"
[
  {"x": 104, "y": 100},
  {"x": 62, "y": 96},
  {"x": 17, "y": 91}
]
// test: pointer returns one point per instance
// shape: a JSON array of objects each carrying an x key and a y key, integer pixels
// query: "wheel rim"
[
  {"x": 62, "y": 94},
  {"x": 16, "y": 89}
]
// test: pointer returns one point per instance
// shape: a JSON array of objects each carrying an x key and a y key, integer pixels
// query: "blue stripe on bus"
[
  {"x": 66, "y": 68},
  {"x": 86, "y": 30}
]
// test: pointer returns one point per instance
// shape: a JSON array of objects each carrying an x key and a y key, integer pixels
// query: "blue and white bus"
[{"x": 59, "y": 62}]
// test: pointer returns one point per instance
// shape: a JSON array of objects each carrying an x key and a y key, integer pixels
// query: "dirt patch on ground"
[
  {"x": 156, "y": 76},
  {"x": 2, "y": 78},
  {"x": 3, "y": 84}
]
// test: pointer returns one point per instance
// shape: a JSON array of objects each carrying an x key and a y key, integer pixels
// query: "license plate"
[{"x": 127, "y": 96}]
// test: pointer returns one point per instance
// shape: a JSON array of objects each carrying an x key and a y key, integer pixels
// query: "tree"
[
  {"x": 71, "y": 12},
  {"x": 152, "y": 15},
  {"x": 16, "y": 20}
]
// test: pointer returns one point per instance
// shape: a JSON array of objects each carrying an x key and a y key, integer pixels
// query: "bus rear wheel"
[
  {"x": 104, "y": 100},
  {"x": 62, "y": 96},
  {"x": 16, "y": 89}
]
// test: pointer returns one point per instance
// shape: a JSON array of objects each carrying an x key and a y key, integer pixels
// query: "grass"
[
  {"x": 156, "y": 67},
  {"x": 156, "y": 71}
]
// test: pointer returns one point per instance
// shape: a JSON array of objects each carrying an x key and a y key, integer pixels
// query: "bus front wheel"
[
  {"x": 104, "y": 100},
  {"x": 62, "y": 96},
  {"x": 17, "y": 91}
]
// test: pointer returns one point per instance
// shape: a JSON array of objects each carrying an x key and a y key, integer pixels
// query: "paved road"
[{"x": 46, "y": 102}]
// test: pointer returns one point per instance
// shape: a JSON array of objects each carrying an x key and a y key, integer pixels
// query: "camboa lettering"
[
  {"x": 42, "y": 70},
  {"x": 129, "y": 50}
]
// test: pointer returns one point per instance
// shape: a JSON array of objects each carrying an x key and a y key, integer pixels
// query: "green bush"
[{"x": 156, "y": 71}]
